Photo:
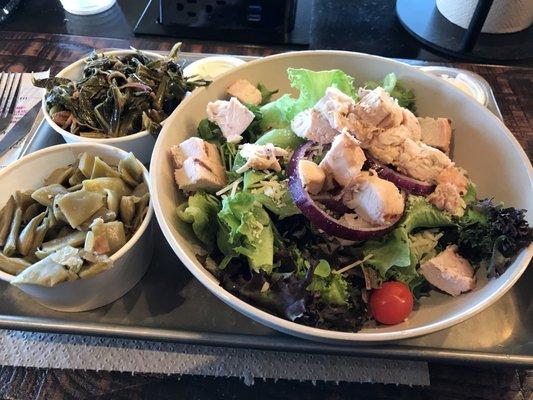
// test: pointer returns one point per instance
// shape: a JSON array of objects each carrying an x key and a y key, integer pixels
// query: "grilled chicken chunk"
[
  {"x": 374, "y": 199},
  {"x": 449, "y": 272},
  {"x": 436, "y": 132},
  {"x": 311, "y": 175},
  {"x": 344, "y": 160},
  {"x": 411, "y": 122},
  {"x": 335, "y": 107},
  {"x": 376, "y": 107},
  {"x": 261, "y": 157},
  {"x": 421, "y": 161},
  {"x": 198, "y": 166},
  {"x": 311, "y": 125},
  {"x": 231, "y": 116}
]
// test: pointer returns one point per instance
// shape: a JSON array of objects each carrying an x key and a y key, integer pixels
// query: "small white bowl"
[
  {"x": 129, "y": 263},
  {"x": 141, "y": 143},
  {"x": 211, "y": 67}
]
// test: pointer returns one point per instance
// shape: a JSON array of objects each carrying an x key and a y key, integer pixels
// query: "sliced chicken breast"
[
  {"x": 231, "y": 116},
  {"x": 421, "y": 161},
  {"x": 194, "y": 147},
  {"x": 448, "y": 197},
  {"x": 261, "y": 157},
  {"x": 311, "y": 125},
  {"x": 436, "y": 132},
  {"x": 454, "y": 176},
  {"x": 449, "y": 272},
  {"x": 311, "y": 175},
  {"x": 376, "y": 107},
  {"x": 411, "y": 122},
  {"x": 344, "y": 160},
  {"x": 374, "y": 199},
  {"x": 199, "y": 174},
  {"x": 335, "y": 107}
]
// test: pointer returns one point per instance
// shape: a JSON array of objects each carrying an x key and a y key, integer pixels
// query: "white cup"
[{"x": 87, "y": 7}]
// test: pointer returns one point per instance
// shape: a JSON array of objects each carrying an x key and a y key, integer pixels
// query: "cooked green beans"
[{"x": 70, "y": 226}]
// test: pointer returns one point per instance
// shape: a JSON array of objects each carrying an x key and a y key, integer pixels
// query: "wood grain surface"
[{"x": 513, "y": 87}]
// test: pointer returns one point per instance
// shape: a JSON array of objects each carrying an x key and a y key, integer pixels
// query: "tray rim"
[
  {"x": 278, "y": 341},
  {"x": 263, "y": 342}
]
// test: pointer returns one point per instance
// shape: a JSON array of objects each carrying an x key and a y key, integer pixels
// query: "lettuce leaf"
[
  {"x": 394, "y": 87},
  {"x": 200, "y": 210},
  {"x": 312, "y": 86},
  {"x": 420, "y": 213},
  {"x": 393, "y": 250},
  {"x": 333, "y": 289},
  {"x": 245, "y": 228}
]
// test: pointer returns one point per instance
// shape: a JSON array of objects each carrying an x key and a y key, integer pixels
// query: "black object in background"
[
  {"x": 424, "y": 21},
  {"x": 269, "y": 20}
]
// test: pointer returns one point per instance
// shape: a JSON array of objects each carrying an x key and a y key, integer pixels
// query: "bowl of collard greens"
[{"x": 119, "y": 97}]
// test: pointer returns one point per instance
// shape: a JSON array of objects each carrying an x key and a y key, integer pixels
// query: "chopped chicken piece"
[
  {"x": 231, "y": 116},
  {"x": 197, "y": 173},
  {"x": 194, "y": 147},
  {"x": 344, "y": 160},
  {"x": 387, "y": 145},
  {"x": 335, "y": 106},
  {"x": 449, "y": 272},
  {"x": 374, "y": 199},
  {"x": 421, "y": 161},
  {"x": 261, "y": 157},
  {"x": 245, "y": 92},
  {"x": 376, "y": 107},
  {"x": 311, "y": 175},
  {"x": 455, "y": 176},
  {"x": 448, "y": 197},
  {"x": 310, "y": 124},
  {"x": 411, "y": 122},
  {"x": 436, "y": 132}
]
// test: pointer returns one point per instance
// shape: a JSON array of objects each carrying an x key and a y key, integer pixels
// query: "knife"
[{"x": 20, "y": 129}]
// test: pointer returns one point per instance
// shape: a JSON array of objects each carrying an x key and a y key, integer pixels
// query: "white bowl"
[
  {"x": 129, "y": 263},
  {"x": 141, "y": 143},
  {"x": 483, "y": 145}
]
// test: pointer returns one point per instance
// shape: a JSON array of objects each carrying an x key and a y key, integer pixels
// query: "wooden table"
[{"x": 513, "y": 87}]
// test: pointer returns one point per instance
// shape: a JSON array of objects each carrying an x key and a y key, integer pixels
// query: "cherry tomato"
[{"x": 391, "y": 303}]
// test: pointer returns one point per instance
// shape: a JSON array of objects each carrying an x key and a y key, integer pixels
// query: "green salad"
[{"x": 340, "y": 207}]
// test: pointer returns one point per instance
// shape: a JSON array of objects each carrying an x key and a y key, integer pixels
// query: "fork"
[{"x": 9, "y": 91}]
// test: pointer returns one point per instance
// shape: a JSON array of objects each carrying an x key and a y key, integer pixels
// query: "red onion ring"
[
  {"x": 317, "y": 215},
  {"x": 411, "y": 185}
]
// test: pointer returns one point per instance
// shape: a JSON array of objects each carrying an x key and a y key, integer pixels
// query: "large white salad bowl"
[{"x": 483, "y": 146}]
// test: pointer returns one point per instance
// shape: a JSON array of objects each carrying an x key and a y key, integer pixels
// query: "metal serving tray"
[{"x": 169, "y": 304}]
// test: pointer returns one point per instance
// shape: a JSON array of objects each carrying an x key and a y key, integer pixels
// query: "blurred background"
[{"x": 416, "y": 29}]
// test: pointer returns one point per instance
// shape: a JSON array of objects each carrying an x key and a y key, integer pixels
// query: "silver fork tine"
[
  {"x": 13, "y": 102},
  {"x": 3, "y": 85},
  {"x": 10, "y": 96},
  {"x": 5, "y": 94}
]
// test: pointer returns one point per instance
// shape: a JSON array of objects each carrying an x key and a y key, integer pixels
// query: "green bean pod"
[
  {"x": 13, "y": 266},
  {"x": 11, "y": 242},
  {"x": 5, "y": 219},
  {"x": 27, "y": 236}
]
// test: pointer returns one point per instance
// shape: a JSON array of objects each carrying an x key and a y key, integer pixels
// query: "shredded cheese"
[{"x": 353, "y": 265}]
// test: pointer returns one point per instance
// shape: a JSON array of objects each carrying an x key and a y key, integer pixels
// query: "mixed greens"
[
  {"x": 263, "y": 249},
  {"x": 118, "y": 95}
]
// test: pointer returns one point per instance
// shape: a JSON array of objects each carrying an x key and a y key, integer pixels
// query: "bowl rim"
[
  {"x": 77, "y": 138},
  {"x": 80, "y": 146},
  {"x": 284, "y": 325}
]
